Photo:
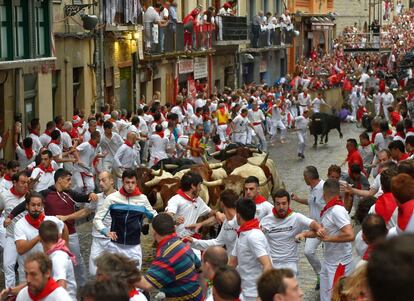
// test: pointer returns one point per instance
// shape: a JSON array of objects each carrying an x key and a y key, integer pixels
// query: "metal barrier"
[{"x": 366, "y": 41}]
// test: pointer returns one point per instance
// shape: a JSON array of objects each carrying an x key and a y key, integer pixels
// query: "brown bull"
[
  {"x": 162, "y": 192},
  {"x": 233, "y": 162}
]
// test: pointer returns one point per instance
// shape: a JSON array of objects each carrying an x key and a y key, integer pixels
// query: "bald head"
[
  {"x": 106, "y": 182},
  {"x": 213, "y": 258},
  {"x": 132, "y": 137}
]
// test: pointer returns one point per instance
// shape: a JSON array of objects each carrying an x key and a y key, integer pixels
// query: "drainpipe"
[{"x": 100, "y": 62}]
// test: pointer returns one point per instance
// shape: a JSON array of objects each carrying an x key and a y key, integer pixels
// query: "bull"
[
  {"x": 321, "y": 124},
  {"x": 235, "y": 149}
]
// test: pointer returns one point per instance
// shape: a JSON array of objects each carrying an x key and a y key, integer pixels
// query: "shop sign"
[
  {"x": 263, "y": 66},
  {"x": 185, "y": 66},
  {"x": 200, "y": 67}
]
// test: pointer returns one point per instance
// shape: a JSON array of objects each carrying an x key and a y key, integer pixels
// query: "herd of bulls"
[{"x": 234, "y": 165}]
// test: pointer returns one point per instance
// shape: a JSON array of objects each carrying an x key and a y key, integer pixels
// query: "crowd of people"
[{"x": 88, "y": 165}]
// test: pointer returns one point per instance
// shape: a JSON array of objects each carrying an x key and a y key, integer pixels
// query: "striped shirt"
[{"x": 174, "y": 270}]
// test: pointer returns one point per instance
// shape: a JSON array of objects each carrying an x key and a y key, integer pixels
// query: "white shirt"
[
  {"x": 280, "y": 234},
  {"x": 122, "y": 127},
  {"x": 158, "y": 146},
  {"x": 249, "y": 247},
  {"x": 45, "y": 181},
  {"x": 10, "y": 201},
  {"x": 66, "y": 140},
  {"x": 37, "y": 145},
  {"x": 316, "y": 201},
  {"x": 301, "y": 123},
  {"x": 333, "y": 220},
  {"x": 316, "y": 104},
  {"x": 387, "y": 99},
  {"x": 199, "y": 103},
  {"x": 22, "y": 158},
  {"x": 227, "y": 237},
  {"x": 191, "y": 211},
  {"x": 24, "y": 231},
  {"x": 96, "y": 206},
  {"x": 263, "y": 209},
  {"x": 62, "y": 269},
  {"x": 256, "y": 116},
  {"x": 276, "y": 113},
  {"x": 179, "y": 111},
  {"x": 126, "y": 157},
  {"x": 5, "y": 185},
  {"x": 87, "y": 153},
  {"x": 381, "y": 142},
  {"x": 59, "y": 294},
  {"x": 110, "y": 145},
  {"x": 241, "y": 124},
  {"x": 56, "y": 151},
  {"x": 143, "y": 127},
  {"x": 45, "y": 139},
  {"x": 304, "y": 100}
]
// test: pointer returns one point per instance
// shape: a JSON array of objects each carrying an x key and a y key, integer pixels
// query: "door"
[{"x": 125, "y": 91}]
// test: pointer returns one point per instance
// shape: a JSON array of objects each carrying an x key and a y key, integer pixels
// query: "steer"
[
  {"x": 234, "y": 149},
  {"x": 321, "y": 124}
]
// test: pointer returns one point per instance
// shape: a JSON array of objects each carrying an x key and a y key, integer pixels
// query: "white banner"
[
  {"x": 185, "y": 66},
  {"x": 200, "y": 67}
]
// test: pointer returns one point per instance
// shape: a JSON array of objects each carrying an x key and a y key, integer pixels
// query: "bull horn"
[
  {"x": 216, "y": 165},
  {"x": 171, "y": 166},
  {"x": 214, "y": 154},
  {"x": 231, "y": 151},
  {"x": 152, "y": 182},
  {"x": 118, "y": 173},
  {"x": 254, "y": 150},
  {"x": 265, "y": 182},
  {"x": 159, "y": 173},
  {"x": 263, "y": 164},
  {"x": 213, "y": 183}
]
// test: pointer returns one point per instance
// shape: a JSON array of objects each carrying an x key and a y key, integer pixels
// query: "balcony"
[
  {"x": 178, "y": 39},
  {"x": 232, "y": 30},
  {"x": 276, "y": 38}
]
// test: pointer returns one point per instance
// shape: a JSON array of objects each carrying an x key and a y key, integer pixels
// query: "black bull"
[{"x": 321, "y": 124}]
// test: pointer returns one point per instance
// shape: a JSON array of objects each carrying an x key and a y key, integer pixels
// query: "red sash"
[
  {"x": 50, "y": 286},
  {"x": 249, "y": 225},
  {"x": 35, "y": 223},
  {"x": 331, "y": 203}
]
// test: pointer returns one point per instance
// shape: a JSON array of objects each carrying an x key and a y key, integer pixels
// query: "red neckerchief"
[
  {"x": 50, "y": 286},
  {"x": 93, "y": 143},
  {"x": 54, "y": 142},
  {"x": 126, "y": 194},
  {"x": 374, "y": 134},
  {"x": 276, "y": 214},
  {"x": 255, "y": 110},
  {"x": 410, "y": 130},
  {"x": 46, "y": 169},
  {"x": 401, "y": 134},
  {"x": 74, "y": 133},
  {"x": 164, "y": 241},
  {"x": 385, "y": 206},
  {"x": 404, "y": 156},
  {"x": 28, "y": 152},
  {"x": 7, "y": 177},
  {"x": 388, "y": 133},
  {"x": 368, "y": 252},
  {"x": 161, "y": 134},
  {"x": 61, "y": 246},
  {"x": 180, "y": 192},
  {"x": 47, "y": 132},
  {"x": 106, "y": 113},
  {"x": 358, "y": 184},
  {"x": 249, "y": 225},
  {"x": 34, "y": 132},
  {"x": 129, "y": 144},
  {"x": 133, "y": 292},
  {"x": 259, "y": 199},
  {"x": 35, "y": 223},
  {"x": 222, "y": 110},
  {"x": 13, "y": 191},
  {"x": 331, "y": 203},
  {"x": 198, "y": 136},
  {"x": 405, "y": 212}
]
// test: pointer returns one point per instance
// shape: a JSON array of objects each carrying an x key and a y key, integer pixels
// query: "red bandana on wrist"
[
  {"x": 259, "y": 199},
  {"x": 126, "y": 194},
  {"x": 29, "y": 152},
  {"x": 18, "y": 194},
  {"x": 93, "y": 143},
  {"x": 331, "y": 203},
  {"x": 249, "y": 225},
  {"x": 181, "y": 193},
  {"x": 7, "y": 177},
  {"x": 46, "y": 169},
  {"x": 129, "y": 144},
  {"x": 50, "y": 286},
  {"x": 276, "y": 214},
  {"x": 35, "y": 223}
]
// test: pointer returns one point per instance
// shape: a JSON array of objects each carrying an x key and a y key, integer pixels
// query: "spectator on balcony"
[
  {"x": 190, "y": 23},
  {"x": 257, "y": 22},
  {"x": 270, "y": 28},
  {"x": 164, "y": 14},
  {"x": 151, "y": 18},
  {"x": 208, "y": 21},
  {"x": 225, "y": 10},
  {"x": 172, "y": 11}
]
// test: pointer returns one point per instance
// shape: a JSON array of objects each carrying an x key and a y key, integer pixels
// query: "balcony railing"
[
  {"x": 177, "y": 37},
  {"x": 231, "y": 30},
  {"x": 272, "y": 37}
]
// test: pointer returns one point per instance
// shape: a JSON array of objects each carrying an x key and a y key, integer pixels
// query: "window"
[
  {"x": 20, "y": 17},
  {"x": 5, "y": 33},
  {"x": 76, "y": 82},
  {"x": 41, "y": 29},
  {"x": 30, "y": 93}
]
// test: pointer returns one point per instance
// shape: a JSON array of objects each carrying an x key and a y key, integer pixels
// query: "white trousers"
[
  {"x": 354, "y": 110},
  {"x": 99, "y": 245},
  {"x": 79, "y": 269},
  {"x": 327, "y": 278},
  {"x": 275, "y": 125},
  {"x": 221, "y": 131},
  {"x": 301, "y": 141},
  {"x": 239, "y": 138},
  {"x": 386, "y": 113},
  {"x": 9, "y": 262},
  {"x": 311, "y": 245},
  {"x": 2, "y": 232},
  {"x": 132, "y": 252},
  {"x": 82, "y": 183},
  {"x": 261, "y": 136},
  {"x": 377, "y": 109},
  {"x": 293, "y": 266}
]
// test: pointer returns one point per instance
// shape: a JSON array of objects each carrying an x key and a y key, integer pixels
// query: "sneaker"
[
  {"x": 282, "y": 141},
  {"x": 318, "y": 284},
  {"x": 303, "y": 156},
  {"x": 299, "y": 155}
]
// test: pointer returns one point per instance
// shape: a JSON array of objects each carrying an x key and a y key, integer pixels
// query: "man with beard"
[
  {"x": 283, "y": 228},
  {"x": 26, "y": 230},
  {"x": 40, "y": 284}
]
